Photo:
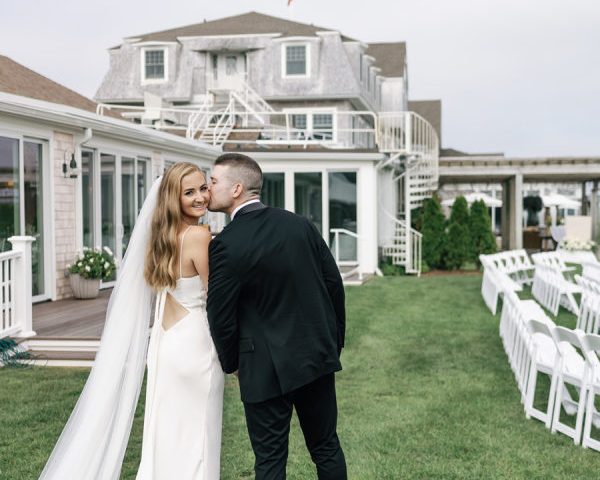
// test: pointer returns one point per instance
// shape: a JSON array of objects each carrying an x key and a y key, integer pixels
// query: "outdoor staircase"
[
  {"x": 215, "y": 119},
  {"x": 413, "y": 149}
]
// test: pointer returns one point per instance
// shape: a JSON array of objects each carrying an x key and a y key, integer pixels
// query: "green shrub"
[
  {"x": 433, "y": 228},
  {"x": 483, "y": 240},
  {"x": 389, "y": 269},
  {"x": 458, "y": 249}
]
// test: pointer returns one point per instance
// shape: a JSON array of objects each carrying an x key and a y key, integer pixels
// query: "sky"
[{"x": 515, "y": 76}]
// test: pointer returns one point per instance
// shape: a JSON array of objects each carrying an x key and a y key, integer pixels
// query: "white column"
[
  {"x": 22, "y": 285},
  {"x": 367, "y": 195},
  {"x": 517, "y": 238},
  {"x": 289, "y": 191},
  {"x": 594, "y": 210}
]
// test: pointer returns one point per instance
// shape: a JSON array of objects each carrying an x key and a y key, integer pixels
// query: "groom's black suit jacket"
[{"x": 275, "y": 302}]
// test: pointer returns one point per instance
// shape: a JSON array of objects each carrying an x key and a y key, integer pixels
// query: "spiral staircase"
[{"x": 412, "y": 149}]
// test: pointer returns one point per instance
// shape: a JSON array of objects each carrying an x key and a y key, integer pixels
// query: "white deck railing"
[
  {"x": 15, "y": 289},
  {"x": 336, "y": 253}
]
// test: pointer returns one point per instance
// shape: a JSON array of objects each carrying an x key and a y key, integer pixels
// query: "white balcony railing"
[
  {"x": 15, "y": 289},
  {"x": 338, "y": 251}
]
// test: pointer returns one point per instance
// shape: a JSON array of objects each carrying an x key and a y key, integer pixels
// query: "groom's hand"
[{"x": 236, "y": 373}]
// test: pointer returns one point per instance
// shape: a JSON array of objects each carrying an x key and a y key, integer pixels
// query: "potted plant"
[{"x": 90, "y": 267}]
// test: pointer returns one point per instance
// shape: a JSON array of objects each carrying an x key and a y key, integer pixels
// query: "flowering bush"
[
  {"x": 576, "y": 244},
  {"x": 94, "y": 263}
]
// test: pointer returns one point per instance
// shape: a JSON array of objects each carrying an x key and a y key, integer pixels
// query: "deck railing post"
[{"x": 22, "y": 284}]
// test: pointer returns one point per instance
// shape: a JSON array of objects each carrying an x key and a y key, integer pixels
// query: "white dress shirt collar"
[{"x": 237, "y": 209}]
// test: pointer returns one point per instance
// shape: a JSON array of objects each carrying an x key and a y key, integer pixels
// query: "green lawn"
[{"x": 426, "y": 392}]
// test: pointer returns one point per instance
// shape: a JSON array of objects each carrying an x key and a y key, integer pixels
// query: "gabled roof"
[
  {"x": 247, "y": 23},
  {"x": 390, "y": 57},
  {"x": 17, "y": 79},
  {"x": 430, "y": 110}
]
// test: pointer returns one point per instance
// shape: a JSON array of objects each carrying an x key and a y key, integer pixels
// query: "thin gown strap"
[{"x": 181, "y": 250}]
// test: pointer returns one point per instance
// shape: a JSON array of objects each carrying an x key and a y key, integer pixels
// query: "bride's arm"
[{"x": 197, "y": 246}]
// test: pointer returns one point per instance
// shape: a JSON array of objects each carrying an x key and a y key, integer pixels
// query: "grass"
[{"x": 426, "y": 392}]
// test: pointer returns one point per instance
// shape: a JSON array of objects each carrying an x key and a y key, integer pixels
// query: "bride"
[{"x": 168, "y": 257}]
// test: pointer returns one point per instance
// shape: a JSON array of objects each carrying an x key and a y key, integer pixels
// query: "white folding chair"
[
  {"x": 572, "y": 369},
  {"x": 588, "y": 319},
  {"x": 543, "y": 358},
  {"x": 591, "y": 348},
  {"x": 551, "y": 289},
  {"x": 591, "y": 271}
]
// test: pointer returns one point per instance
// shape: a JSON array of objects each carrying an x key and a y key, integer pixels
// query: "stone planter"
[{"x": 84, "y": 287}]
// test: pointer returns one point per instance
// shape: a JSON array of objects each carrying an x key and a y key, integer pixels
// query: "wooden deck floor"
[{"x": 71, "y": 318}]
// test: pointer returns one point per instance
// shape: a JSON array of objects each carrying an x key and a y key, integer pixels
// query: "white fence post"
[{"x": 22, "y": 285}]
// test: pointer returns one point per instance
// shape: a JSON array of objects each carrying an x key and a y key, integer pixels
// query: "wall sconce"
[{"x": 70, "y": 170}]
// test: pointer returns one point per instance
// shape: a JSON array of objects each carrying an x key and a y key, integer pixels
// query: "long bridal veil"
[{"x": 93, "y": 442}]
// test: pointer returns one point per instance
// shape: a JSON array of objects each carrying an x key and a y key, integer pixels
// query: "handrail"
[
  {"x": 226, "y": 120},
  {"x": 343, "y": 230},
  {"x": 340, "y": 263},
  {"x": 9, "y": 255}
]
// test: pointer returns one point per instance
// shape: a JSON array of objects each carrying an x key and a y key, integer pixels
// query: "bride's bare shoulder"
[{"x": 197, "y": 235}]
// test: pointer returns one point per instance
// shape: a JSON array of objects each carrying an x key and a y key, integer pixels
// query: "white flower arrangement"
[
  {"x": 573, "y": 244},
  {"x": 95, "y": 263}
]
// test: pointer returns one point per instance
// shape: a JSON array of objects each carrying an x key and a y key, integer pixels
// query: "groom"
[{"x": 277, "y": 317}]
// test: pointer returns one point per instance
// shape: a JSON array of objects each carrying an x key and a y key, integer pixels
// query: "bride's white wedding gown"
[{"x": 184, "y": 393}]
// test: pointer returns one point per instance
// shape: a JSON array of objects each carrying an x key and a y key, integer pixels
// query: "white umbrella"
[
  {"x": 560, "y": 201},
  {"x": 474, "y": 197}
]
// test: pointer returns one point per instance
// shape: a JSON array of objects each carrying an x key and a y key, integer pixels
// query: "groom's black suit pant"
[{"x": 269, "y": 426}]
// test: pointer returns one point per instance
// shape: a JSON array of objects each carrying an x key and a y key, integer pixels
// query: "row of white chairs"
[
  {"x": 514, "y": 263},
  {"x": 551, "y": 289},
  {"x": 535, "y": 345}
]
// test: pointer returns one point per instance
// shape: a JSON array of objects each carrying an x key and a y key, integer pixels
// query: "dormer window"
[
  {"x": 296, "y": 60},
  {"x": 154, "y": 65}
]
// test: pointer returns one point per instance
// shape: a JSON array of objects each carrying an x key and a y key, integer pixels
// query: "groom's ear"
[{"x": 238, "y": 189}]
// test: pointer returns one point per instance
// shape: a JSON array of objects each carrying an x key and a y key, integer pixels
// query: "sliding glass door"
[
  {"x": 113, "y": 190},
  {"x": 342, "y": 214},
  {"x": 22, "y": 207},
  {"x": 33, "y": 199}
]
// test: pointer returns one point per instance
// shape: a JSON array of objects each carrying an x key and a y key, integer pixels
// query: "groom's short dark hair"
[{"x": 245, "y": 170}]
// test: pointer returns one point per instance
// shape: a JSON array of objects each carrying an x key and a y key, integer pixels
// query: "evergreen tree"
[
  {"x": 433, "y": 228},
  {"x": 459, "y": 240},
  {"x": 483, "y": 240}
]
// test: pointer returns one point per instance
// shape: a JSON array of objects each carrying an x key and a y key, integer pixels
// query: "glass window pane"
[
  {"x": 34, "y": 209},
  {"x": 323, "y": 126},
  {"x": 107, "y": 203},
  {"x": 230, "y": 65},
  {"x": 273, "y": 190},
  {"x": 9, "y": 191},
  {"x": 87, "y": 196},
  {"x": 296, "y": 60},
  {"x": 155, "y": 63},
  {"x": 128, "y": 191},
  {"x": 308, "y": 194},
  {"x": 342, "y": 212},
  {"x": 299, "y": 120}
]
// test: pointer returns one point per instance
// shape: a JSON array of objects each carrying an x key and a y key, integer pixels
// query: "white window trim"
[
  {"x": 150, "y": 81},
  {"x": 284, "y": 46}
]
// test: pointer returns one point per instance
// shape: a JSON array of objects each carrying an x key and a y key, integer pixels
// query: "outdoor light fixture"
[{"x": 70, "y": 170}]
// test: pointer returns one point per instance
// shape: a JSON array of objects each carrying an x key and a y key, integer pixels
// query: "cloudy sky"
[{"x": 514, "y": 76}]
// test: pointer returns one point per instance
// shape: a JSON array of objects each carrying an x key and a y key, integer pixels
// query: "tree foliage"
[
  {"x": 433, "y": 228},
  {"x": 458, "y": 249},
  {"x": 483, "y": 240}
]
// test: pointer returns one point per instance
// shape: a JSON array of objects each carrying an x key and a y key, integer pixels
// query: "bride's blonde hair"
[{"x": 162, "y": 255}]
